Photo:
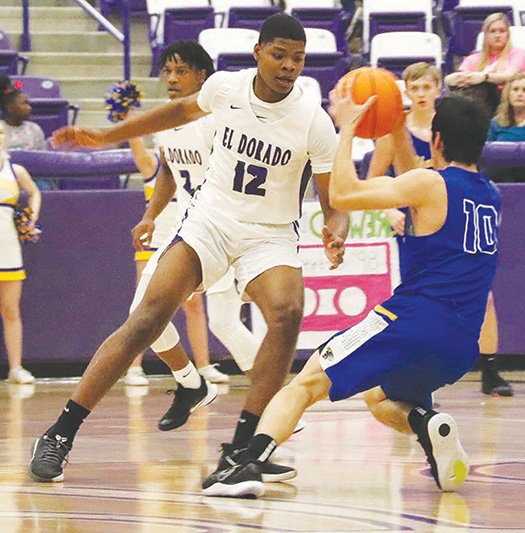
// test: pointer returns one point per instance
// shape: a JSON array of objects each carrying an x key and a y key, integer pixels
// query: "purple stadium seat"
[
  {"x": 179, "y": 23},
  {"x": 250, "y": 17},
  {"x": 326, "y": 69},
  {"x": 111, "y": 7},
  {"x": 396, "y": 21},
  {"x": 10, "y": 61},
  {"x": 466, "y": 23},
  {"x": 235, "y": 61},
  {"x": 50, "y": 110},
  {"x": 325, "y": 18}
]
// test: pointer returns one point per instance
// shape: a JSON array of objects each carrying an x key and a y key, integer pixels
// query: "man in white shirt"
[{"x": 269, "y": 132}]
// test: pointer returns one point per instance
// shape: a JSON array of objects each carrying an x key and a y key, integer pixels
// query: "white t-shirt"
[{"x": 259, "y": 169}]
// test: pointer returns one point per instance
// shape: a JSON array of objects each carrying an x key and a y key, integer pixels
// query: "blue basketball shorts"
[{"x": 410, "y": 346}]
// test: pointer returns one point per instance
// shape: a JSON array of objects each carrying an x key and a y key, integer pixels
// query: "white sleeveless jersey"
[
  {"x": 187, "y": 150},
  {"x": 258, "y": 171}
]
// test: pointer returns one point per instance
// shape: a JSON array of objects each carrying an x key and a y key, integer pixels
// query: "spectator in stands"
[
  {"x": 21, "y": 133},
  {"x": 509, "y": 126},
  {"x": 12, "y": 179},
  {"x": 509, "y": 123},
  {"x": 482, "y": 74}
]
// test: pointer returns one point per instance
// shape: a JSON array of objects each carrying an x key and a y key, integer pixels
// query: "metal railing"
[{"x": 123, "y": 37}]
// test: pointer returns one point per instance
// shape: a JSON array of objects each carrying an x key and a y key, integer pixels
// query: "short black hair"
[
  {"x": 8, "y": 93},
  {"x": 281, "y": 26},
  {"x": 463, "y": 125},
  {"x": 191, "y": 52}
]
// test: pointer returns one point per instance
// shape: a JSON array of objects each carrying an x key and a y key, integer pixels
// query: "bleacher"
[{"x": 392, "y": 36}]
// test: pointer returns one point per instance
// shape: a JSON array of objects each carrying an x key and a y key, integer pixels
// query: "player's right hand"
[
  {"x": 143, "y": 233},
  {"x": 72, "y": 137},
  {"x": 396, "y": 218}
]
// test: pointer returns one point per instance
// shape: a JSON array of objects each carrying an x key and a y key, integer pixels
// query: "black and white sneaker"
[
  {"x": 237, "y": 481},
  {"x": 49, "y": 458},
  {"x": 185, "y": 402},
  {"x": 270, "y": 472},
  {"x": 447, "y": 459}
]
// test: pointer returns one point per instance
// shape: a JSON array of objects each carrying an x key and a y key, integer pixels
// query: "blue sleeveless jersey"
[
  {"x": 421, "y": 147},
  {"x": 456, "y": 265}
]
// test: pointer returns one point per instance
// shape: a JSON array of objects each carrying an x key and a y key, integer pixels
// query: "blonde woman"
[
  {"x": 12, "y": 178},
  {"x": 495, "y": 65},
  {"x": 509, "y": 123}
]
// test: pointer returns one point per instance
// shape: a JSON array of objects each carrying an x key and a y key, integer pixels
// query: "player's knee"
[
  {"x": 286, "y": 316},
  {"x": 168, "y": 339},
  {"x": 10, "y": 312},
  {"x": 193, "y": 307}
]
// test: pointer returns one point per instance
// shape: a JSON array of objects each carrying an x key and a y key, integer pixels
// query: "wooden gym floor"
[{"x": 354, "y": 474}]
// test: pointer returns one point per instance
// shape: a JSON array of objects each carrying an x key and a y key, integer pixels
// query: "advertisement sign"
[{"x": 338, "y": 299}]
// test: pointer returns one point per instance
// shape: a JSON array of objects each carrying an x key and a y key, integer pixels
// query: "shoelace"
[{"x": 55, "y": 450}]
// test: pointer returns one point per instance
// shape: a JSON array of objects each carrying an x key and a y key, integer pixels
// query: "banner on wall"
[{"x": 338, "y": 299}]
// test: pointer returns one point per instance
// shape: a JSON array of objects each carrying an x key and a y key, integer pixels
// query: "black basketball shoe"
[
  {"x": 186, "y": 400},
  {"x": 491, "y": 381},
  {"x": 447, "y": 458},
  {"x": 49, "y": 458},
  {"x": 237, "y": 481},
  {"x": 270, "y": 472}
]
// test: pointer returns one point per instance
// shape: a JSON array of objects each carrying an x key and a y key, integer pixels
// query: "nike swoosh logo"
[
  {"x": 234, "y": 107},
  {"x": 189, "y": 372}
]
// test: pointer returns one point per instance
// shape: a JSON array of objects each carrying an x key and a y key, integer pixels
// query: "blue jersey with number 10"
[{"x": 456, "y": 265}]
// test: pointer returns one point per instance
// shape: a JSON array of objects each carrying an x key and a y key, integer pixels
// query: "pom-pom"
[
  {"x": 26, "y": 234},
  {"x": 121, "y": 97}
]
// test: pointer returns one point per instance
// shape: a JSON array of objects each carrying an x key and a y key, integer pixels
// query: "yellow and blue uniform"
[
  {"x": 11, "y": 264},
  {"x": 426, "y": 335}
]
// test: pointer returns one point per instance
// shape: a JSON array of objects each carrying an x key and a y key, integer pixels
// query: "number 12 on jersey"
[
  {"x": 254, "y": 185},
  {"x": 481, "y": 223}
]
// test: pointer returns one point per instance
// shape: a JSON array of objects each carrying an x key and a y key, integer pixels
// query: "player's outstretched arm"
[{"x": 173, "y": 114}]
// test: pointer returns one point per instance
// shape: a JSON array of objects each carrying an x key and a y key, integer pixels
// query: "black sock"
[
  {"x": 417, "y": 417},
  {"x": 69, "y": 421},
  {"x": 261, "y": 447},
  {"x": 245, "y": 430}
]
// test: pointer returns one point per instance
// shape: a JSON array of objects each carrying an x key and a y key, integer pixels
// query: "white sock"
[{"x": 188, "y": 377}]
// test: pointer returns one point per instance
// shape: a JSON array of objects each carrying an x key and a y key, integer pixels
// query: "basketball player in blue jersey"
[
  {"x": 426, "y": 335},
  {"x": 423, "y": 88},
  {"x": 268, "y": 133}
]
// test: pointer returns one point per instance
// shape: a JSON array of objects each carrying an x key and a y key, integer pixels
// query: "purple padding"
[
  {"x": 509, "y": 289},
  {"x": 497, "y": 155},
  {"x": 8, "y": 62},
  {"x": 56, "y": 164},
  {"x": 81, "y": 275}
]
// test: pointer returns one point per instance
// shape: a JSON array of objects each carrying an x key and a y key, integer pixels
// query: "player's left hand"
[
  {"x": 71, "y": 137},
  {"x": 334, "y": 247},
  {"x": 342, "y": 107}
]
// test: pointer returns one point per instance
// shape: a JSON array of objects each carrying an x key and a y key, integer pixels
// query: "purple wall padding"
[
  {"x": 509, "y": 286},
  {"x": 81, "y": 275}
]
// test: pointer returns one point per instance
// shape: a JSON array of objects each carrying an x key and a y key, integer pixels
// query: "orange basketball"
[{"x": 382, "y": 117}]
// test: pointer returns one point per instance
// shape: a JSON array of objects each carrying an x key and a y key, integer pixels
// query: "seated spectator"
[
  {"x": 509, "y": 123},
  {"x": 482, "y": 74},
  {"x": 21, "y": 133}
]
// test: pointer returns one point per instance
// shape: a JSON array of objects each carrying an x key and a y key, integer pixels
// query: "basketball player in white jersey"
[
  {"x": 183, "y": 159},
  {"x": 268, "y": 130}
]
